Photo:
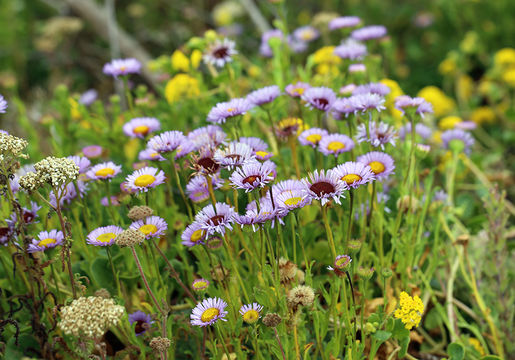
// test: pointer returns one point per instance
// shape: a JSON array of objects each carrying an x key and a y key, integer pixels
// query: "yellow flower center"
[
  {"x": 351, "y": 178},
  {"x": 148, "y": 229},
  {"x": 142, "y": 129},
  {"x": 197, "y": 235},
  {"x": 153, "y": 155},
  {"x": 298, "y": 91},
  {"x": 376, "y": 167},
  {"x": 209, "y": 314},
  {"x": 261, "y": 153},
  {"x": 123, "y": 68},
  {"x": 200, "y": 284},
  {"x": 104, "y": 172},
  {"x": 314, "y": 138},
  {"x": 107, "y": 237},
  {"x": 46, "y": 242},
  {"x": 231, "y": 110},
  {"x": 144, "y": 180},
  {"x": 292, "y": 201},
  {"x": 251, "y": 316},
  {"x": 335, "y": 146}
]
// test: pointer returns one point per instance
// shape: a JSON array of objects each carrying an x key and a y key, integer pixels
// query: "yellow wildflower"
[
  {"x": 74, "y": 108},
  {"x": 195, "y": 58},
  {"x": 483, "y": 114},
  {"x": 505, "y": 57},
  {"x": 442, "y": 104},
  {"x": 477, "y": 345},
  {"x": 449, "y": 122},
  {"x": 326, "y": 61},
  {"x": 225, "y": 13},
  {"x": 254, "y": 71},
  {"x": 181, "y": 86},
  {"x": 447, "y": 67},
  {"x": 508, "y": 77},
  {"x": 465, "y": 87},
  {"x": 410, "y": 310},
  {"x": 180, "y": 62}
]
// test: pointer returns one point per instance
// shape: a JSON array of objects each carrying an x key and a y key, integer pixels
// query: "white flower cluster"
[
  {"x": 11, "y": 145},
  {"x": 57, "y": 172},
  {"x": 90, "y": 316}
]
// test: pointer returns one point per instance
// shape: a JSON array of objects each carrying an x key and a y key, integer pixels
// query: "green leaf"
[
  {"x": 404, "y": 342},
  {"x": 381, "y": 335},
  {"x": 102, "y": 274},
  {"x": 455, "y": 351},
  {"x": 490, "y": 357}
]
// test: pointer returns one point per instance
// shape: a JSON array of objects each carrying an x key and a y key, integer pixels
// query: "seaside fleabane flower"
[
  {"x": 194, "y": 234},
  {"x": 103, "y": 171},
  {"x": 208, "y": 312},
  {"x": 104, "y": 236},
  {"x": 145, "y": 178},
  {"x": 3, "y": 105},
  {"x": 166, "y": 142},
  {"x": 200, "y": 284},
  {"x": 252, "y": 175},
  {"x": 220, "y": 52},
  {"x": 324, "y": 185},
  {"x": 289, "y": 127},
  {"x": 321, "y": 98},
  {"x": 141, "y": 127},
  {"x": 264, "y": 95},
  {"x": 457, "y": 140},
  {"x": 353, "y": 174},
  {"x": 344, "y": 22},
  {"x": 142, "y": 320},
  {"x": 369, "y": 32},
  {"x": 292, "y": 199},
  {"x": 351, "y": 49},
  {"x": 197, "y": 188},
  {"x": 92, "y": 151},
  {"x": 421, "y": 106},
  {"x": 120, "y": 67},
  {"x": 82, "y": 162},
  {"x": 251, "y": 312},
  {"x": 216, "y": 221},
  {"x": 378, "y": 134},
  {"x": 410, "y": 310},
  {"x": 296, "y": 90},
  {"x": 420, "y": 129},
  {"x": 152, "y": 226},
  {"x": 335, "y": 144},
  {"x": 209, "y": 136},
  {"x": 381, "y": 164},
  {"x": 235, "y": 154},
  {"x": 46, "y": 240},
  {"x": 226, "y": 110},
  {"x": 312, "y": 136}
]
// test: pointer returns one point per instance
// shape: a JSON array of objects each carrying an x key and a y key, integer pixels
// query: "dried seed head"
[
  {"x": 103, "y": 293},
  {"x": 140, "y": 212},
  {"x": 219, "y": 273},
  {"x": 90, "y": 316},
  {"x": 160, "y": 344},
  {"x": 129, "y": 237},
  {"x": 408, "y": 202},
  {"x": 300, "y": 295},
  {"x": 287, "y": 271},
  {"x": 272, "y": 320}
]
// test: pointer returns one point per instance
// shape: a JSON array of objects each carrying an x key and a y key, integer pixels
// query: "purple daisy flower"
[
  {"x": 251, "y": 312},
  {"x": 150, "y": 154},
  {"x": 306, "y": 33},
  {"x": 220, "y": 52},
  {"x": 296, "y": 90},
  {"x": 145, "y": 178},
  {"x": 29, "y": 215},
  {"x": 264, "y": 95},
  {"x": 46, "y": 240},
  {"x": 104, "y": 236},
  {"x": 286, "y": 186},
  {"x": 256, "y": 217},
  {"x": 216, "y": 221},
  {"x": 344, "y": 22},
  {"x": 365, "y": 102},
  {"x": 466, "y": 125},
  {"x": 6, "y": 232},
  {"x": 3, "y": 105},
  {"x": 351, "y": 49},
  {"x": 142, "y": 320},
  {"x": 335, "y": 144},
  {"x": 225, "y": 110},
  {"x": 264, "y": 48},
  {"x": 321, "y": 98},
  {"x": 166, "y": 142},
  {"x": 312, "y": 136},
  {"x": 151, "y": 226},
  {"x": 292, "y": 199},
  {"x": 263, "y": 155},
  {"x": 235, "y": 154},
  {"x": 353, "y": 174},
  {"x": 82, "y": 162},
  {"x": 422, "y": 130},
  {"x": 197, "y": 187},
  {"x": 403, "y": 102},
  {"x": 92, "y": 151},
  {"x": 252, "y": 175},
  {"x": 440, "y": 195},
  {"x": 457, "y": 140},
  {"x": 347, "y": 89},
  {"x": 357, "y": 68},
  {"x": 119, "y": 67},
  {"x": 209, "y": 136},
  {"x": 141, "y": 127},
  {"x": 381, "y": 164},
  {"x": 372, "y": 88},
  {"x": 103, "y": 171},
  {"x": 88, "y": 97},
  {"x": 200, "y": 284},
  {"x": 114, "y": 201},
  {"x": 324, "y": 186},
  {"x": 369, "y": 33},
  {"x": 194, "y": 234},
  {"x": 255, "y": 143},
  {"x": 204, "y": 163},
  {"x": 208, "y": 312},
  {"x": 344, "y": 107},
  {"x": 379, "y": 135}
]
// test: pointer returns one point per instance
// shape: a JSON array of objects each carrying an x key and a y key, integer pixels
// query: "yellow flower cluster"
[
  {"x": 181, "y": 86},
  {"x": 504, "y": 60},
  {"x": 442, "y": 104},
  {"x": 410, "y": 310},
  {"x": 326, "y": 61}
]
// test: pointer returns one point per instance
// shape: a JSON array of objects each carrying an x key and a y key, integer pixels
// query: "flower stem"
[
  {"x": 349, "y": 228},
  {"x": 279, "y": 342},
  {"x": 328, "y": 231},
  {"x": 115, "y": 274},
  {"x": 145, "y": 282}
]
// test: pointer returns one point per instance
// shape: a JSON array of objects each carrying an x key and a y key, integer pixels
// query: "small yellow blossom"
[
  {"x": 195, "y": 58},
  {"x": 74, "y": 108},
  {"x": 410, "y": 310},
  {"x": 505, "y": 57},
  {"x": 477, "y": 345},
  {"x": 483, "y": 114},
  {"x": 254, "y": 71},
  {"x": 449, "y": 122},
  {"x": 181, "y": 86},
  {"x": 464, "y": 87},
  {"x": 508, "y": 77},
  {"x": 326, "y": 61},
  {"x": 447, "y": 67},
  {"x": 180, "y": 62},
  {"x": 442, "y": 104}
]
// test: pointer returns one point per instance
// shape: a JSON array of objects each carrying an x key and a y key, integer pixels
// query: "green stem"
[
  {"x": 115, "y": 274},
  {"x": 328, "y": 231}
]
